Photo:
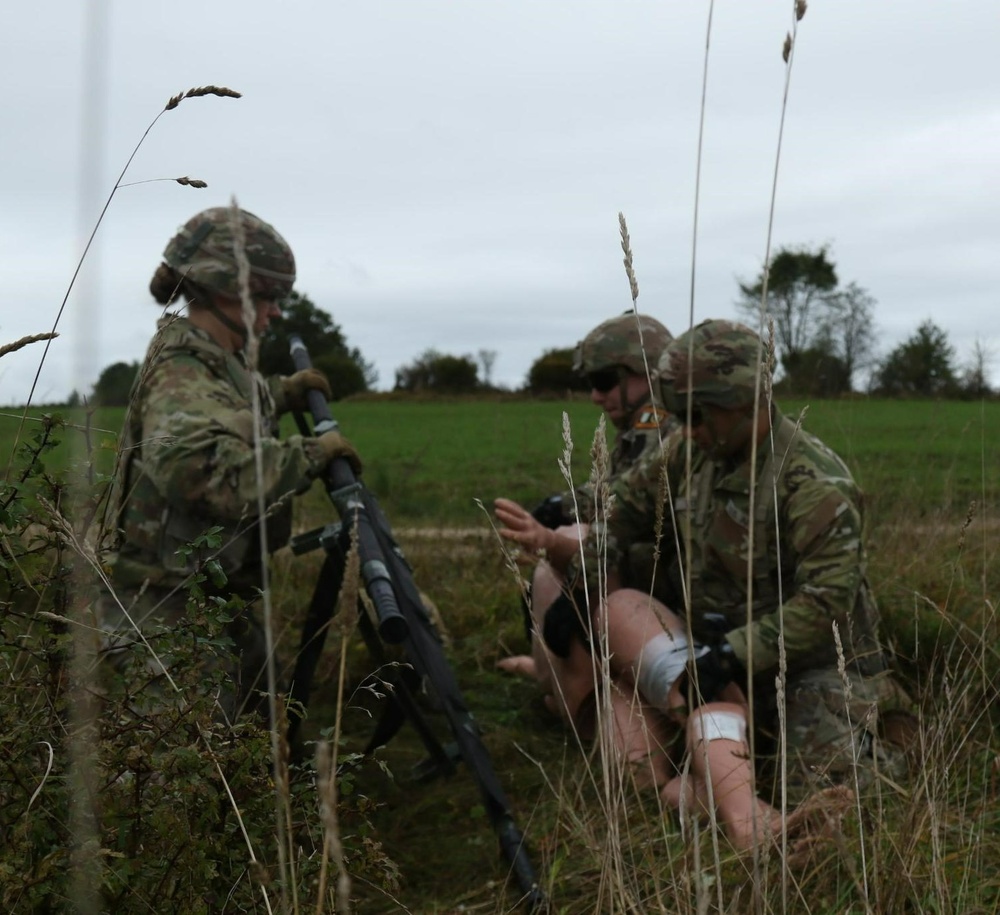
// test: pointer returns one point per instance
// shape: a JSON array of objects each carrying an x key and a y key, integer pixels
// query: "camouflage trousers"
[
  {"x": 236, "y": 672},
  {"x": 834, "y": 734}
]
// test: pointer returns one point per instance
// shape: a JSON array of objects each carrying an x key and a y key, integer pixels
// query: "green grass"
[
  {"x": 428, "y": 461},
  {"x": 930, "y": 844},
  {"x": 934, "y": 455},
  {"x": 934, "y": 576}
]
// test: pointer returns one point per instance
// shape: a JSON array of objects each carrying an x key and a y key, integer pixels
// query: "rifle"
[{"x": 402, "y": 619}]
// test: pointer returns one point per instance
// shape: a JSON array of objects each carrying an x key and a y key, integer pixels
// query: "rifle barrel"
[{"x": 344, "y": 490}]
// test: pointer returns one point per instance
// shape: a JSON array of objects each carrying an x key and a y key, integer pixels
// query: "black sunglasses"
[{"x": 604, "y": 380}]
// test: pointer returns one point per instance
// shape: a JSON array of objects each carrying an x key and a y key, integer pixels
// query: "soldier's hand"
[
  {"x": 295, "y": 387},
  {"x": 333, "y": 445},
  {"x": 519, "y": 526},
  {"x": 711, "y": 671}
]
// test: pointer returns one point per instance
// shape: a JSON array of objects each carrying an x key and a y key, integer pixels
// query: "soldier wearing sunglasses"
[{"x": 618, "y": 358}]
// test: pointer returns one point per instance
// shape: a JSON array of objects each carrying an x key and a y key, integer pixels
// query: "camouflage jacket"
[
  {"x": 187, "y": 461},
  {"x": 635, "y": 447},
  {"x": 649, "y": 428},
  {"x": 806, "y": 572}
]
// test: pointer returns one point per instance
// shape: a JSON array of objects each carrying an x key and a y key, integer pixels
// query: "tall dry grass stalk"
[
  {"x": 612, "y": 873},
  {"x": 664, "y": 498},
  {"x": 682, "y": 538},
  {"x": 25, "y": 341},
  {"x": 765, "y": 364},
  {"x": 633, "y": 285},
  {"x": 172, "y": 103},
  {"x": 184, "y": 181},
  {"x": 278, "y": 763},
  {"x": 84, "y": 724},
  {"x": 614, "y": 878}
]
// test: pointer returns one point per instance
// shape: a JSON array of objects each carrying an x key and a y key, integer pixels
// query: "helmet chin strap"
[
  {"x": 629, "y": 407},
  {"x": 237, "y": 327}
]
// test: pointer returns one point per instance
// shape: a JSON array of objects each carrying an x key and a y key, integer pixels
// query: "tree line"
[{"x": 824, "y": 339}]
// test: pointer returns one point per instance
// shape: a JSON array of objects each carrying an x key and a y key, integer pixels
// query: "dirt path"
[{"x": 444, "y": 533}]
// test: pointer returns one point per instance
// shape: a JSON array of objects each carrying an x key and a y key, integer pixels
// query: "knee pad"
[{"x": 719, "y": 725}]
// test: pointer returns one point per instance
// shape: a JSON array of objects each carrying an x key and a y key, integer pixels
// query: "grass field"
[
  {"x": 428, "y": 461},
  {"x": 929, "y": 845}
]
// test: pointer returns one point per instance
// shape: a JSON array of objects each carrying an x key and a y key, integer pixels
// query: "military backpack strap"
[{"x": 209, "y": 354}]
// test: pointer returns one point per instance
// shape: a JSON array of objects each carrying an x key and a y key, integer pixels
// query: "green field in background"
[{"x": 428, "y": 461}]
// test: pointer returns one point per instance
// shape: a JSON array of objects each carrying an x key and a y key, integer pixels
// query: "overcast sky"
[{"x": 449, "y": 174}]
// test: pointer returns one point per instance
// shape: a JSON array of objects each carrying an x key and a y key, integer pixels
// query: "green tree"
[
  {"x": 818, "y": 326},
  {"x": 816, "y": 371},
  {"x": 115, "y": 384},
  {"x": 487, "y": 357},
  {"x": 800, "y": 292},
  {"x": 553, "y": 371},
  {"x": 975, "y": 380},
  {"x": 852, "y": 330},
  {"x": 921, "y": 366},
  {"x": 439, "y": 372},
  {"x": 347, "y": 370},
  {"x": 345, "y": 373}
]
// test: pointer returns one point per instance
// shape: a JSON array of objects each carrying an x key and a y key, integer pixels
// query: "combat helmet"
[
  {"x": 203, "y": 251},
  {"x": 722, "y": 369},
  {"x": 616, "y": 342}
]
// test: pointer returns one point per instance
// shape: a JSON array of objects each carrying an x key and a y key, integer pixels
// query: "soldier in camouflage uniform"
[
  {"x": 772, "y": 554},
  {"x": 188, "y": 447},
  {"x": 618, "y": 358}
]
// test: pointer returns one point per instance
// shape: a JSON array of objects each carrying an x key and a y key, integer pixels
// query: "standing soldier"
[{"x": 188, "y": 447}]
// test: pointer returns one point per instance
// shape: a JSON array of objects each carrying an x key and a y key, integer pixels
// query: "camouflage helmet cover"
[
  {"x": 620, "y": 341},
  {"x": 722, "y": 370},
  {"x": 203, "y": 251}
]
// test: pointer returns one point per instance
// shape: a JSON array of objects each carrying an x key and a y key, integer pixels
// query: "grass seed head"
[
  {"x": 627, "y": 260},
  {"x": 969, "y": 515},
  {"x": 25, "y": 341},
  {"x": 198, "y": 92}
]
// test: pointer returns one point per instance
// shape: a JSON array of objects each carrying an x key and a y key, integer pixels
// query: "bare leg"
[
  {"x": 639, "y": 734},
  {"x": 545, "y": 667},
  {"x": 546, "y": 586},
  {"x": 640, "y": 738},
  {"x": 720, "y": 756},
  {"x": 633, "y": 620}
]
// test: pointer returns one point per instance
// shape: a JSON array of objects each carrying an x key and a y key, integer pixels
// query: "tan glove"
[
  {"x": 294, "y": 387},
  {"x": 333, "y": 445}
]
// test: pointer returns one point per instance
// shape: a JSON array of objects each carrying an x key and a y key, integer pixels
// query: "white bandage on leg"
[
  {"x": 719, "y": 726},
  {"x": 661, "y": 661}
]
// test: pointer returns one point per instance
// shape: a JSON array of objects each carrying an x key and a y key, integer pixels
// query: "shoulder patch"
[{"x": 650, "y": 417}]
